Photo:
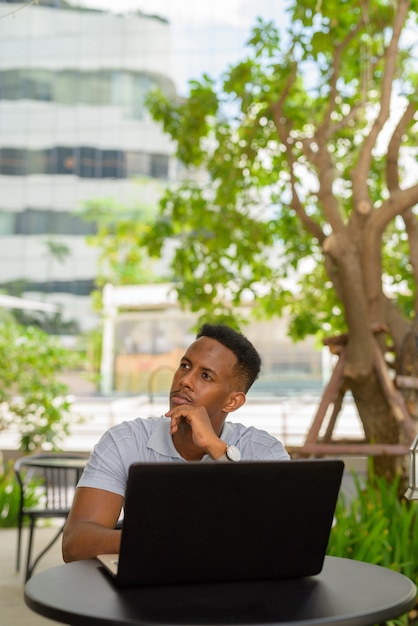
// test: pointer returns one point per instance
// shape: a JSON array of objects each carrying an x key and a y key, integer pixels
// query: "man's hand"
[{"x": 197, "y": 420}]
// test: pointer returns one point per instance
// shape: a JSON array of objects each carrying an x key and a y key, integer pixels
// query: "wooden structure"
[{"x": 334, "y": 395}]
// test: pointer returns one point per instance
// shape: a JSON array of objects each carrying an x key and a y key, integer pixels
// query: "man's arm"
[{"x": 90, "y": 526}]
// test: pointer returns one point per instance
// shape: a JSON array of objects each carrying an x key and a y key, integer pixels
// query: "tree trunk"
[{"x": 378, "y": 422}]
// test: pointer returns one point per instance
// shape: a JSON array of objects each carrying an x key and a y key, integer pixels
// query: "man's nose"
[{"x": 187, "y": 379}]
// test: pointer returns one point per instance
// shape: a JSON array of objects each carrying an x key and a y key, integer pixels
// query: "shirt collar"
[{"x": 161, "y": 441}]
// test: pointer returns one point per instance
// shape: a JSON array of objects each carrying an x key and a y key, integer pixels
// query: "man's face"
[{"x": 205, "y": 377}]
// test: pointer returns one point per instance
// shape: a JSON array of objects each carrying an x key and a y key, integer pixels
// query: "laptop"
[{"x": 223, "y": 522}]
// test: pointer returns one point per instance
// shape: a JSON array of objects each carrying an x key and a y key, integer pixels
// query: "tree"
[{"x": 302, "y": 162}]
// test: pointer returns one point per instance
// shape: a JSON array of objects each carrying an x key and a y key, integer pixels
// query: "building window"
[
  {"x": 84, "y": 162},
  {"x": 44, "y": 222},
  {"x": 88, "y": 162},
  {"x": 62, "y": 160},
  {"x": 159, "y": 166},
  {"x": 145, "y": 164},
  {"x": 126, "y": 90},
  {"x": 7, "y": 223},
  {"x": 12, "y": 162},
  {"x": 113, "y": 164},
  {"x": 36, "y": 162}
]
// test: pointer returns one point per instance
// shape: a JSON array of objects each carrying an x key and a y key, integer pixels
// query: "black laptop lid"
[{"x": 204, "y": 522}]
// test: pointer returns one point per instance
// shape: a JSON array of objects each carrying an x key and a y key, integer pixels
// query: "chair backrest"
[{"x": 53, "y": 477}]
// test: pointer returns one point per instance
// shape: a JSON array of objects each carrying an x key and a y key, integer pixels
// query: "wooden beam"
[
  {"x": 341, "y": 449},
  {"x": 329, "y": 396},
  {"x": 406, "y": 382},
  {"x": 334, "y": 415},
  {"x": 395, "y": 399}
]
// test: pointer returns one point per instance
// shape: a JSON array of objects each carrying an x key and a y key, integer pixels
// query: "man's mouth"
[{"x": 177, "y": 398}]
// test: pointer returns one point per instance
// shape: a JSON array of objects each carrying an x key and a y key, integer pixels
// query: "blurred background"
[{"x": 75, "y": 133}]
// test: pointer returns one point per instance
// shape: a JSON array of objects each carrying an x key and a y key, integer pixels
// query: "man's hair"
[{"x": 248, "y": 360}]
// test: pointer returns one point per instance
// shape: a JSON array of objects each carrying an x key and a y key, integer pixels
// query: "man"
[{"x": 211, "y": 381}]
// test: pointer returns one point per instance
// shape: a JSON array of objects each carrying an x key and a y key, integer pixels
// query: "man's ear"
[{"x": 235, "y": 401}]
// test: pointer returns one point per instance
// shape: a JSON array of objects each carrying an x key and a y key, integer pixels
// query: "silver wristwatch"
[{"x": 231, "y": 454}]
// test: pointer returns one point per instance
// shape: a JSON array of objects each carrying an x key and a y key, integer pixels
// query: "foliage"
[
  {"x": 32, "y": 399},
  {"x": 10, "y": 496},
  {"x": 300, "y": 190},
  {"x": 123, "y": 259},
  {"x": 57, "y": 250},
  {"x": 377, "y": 526},
  {"x": 290, "y": 197}
]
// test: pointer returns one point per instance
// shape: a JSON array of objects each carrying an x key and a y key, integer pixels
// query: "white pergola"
[{"x": 126, "y": 296}]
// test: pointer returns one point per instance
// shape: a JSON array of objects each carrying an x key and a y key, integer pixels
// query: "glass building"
[{"x": 73, "y": 127}]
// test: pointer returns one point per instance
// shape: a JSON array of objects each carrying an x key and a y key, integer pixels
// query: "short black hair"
[{"x": 248, "y": 360}]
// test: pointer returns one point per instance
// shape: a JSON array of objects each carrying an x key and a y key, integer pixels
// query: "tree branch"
[
  {"x": 283, "y": 130},
  {"x": 335, "y": 74},
  {"x": 361, "y": 170},
  {"x": 411, "y": 227},
  {"x": 400, "y": 200},
  {"x": 321, "y": 158},
  {"x": 392, "y": 156}
]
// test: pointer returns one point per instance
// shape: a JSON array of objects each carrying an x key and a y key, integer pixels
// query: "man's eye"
[{"x": 206, "y": 376}]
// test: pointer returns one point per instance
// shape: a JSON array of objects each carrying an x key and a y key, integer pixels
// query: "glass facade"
[
  {"x": 74, "y": 127},
  {"x": 123, "y": 89},
  {"x": 44, "y": 222},
  {"x": 82, "y": 161}
]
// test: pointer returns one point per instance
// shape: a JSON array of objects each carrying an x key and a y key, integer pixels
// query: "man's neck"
[{"x": 184, "y": 445}]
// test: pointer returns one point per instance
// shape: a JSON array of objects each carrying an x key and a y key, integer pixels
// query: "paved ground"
[{"x": 13, "y": 611}]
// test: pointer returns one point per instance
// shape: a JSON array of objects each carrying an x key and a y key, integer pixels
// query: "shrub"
[
  {"x": 377, "y": 526},
  {"x": 32, "y": 399}
]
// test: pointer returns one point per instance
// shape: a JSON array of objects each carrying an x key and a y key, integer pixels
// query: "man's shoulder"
[
  {"x": 237, "y": 429},
  {"x": 254, "y": 442}
]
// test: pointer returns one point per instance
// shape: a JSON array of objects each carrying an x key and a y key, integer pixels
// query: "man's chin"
[{"x": 184, "y": 425}]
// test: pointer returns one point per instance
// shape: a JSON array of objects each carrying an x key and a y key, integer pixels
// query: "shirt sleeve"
[{"x": 108, "y": 465}]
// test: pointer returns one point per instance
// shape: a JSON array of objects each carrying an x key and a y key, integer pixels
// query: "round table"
[{"x": 346, "y": 592}]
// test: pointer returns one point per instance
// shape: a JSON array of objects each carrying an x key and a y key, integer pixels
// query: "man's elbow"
[
  {"x": 67, "y": 553},
  {"x": 70, "y": 547}
]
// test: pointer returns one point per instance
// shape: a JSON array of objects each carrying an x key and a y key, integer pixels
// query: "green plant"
[
  {"x": 10, "y": 496},
  {"x": 377, "y": 526},
  {"x": 32, "y": 398}
]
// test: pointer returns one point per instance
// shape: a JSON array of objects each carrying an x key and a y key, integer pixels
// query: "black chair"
[{"x": 53, "y": 478}]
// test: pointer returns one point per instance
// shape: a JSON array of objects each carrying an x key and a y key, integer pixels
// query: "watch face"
[{"x": 233, "y": 453}]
